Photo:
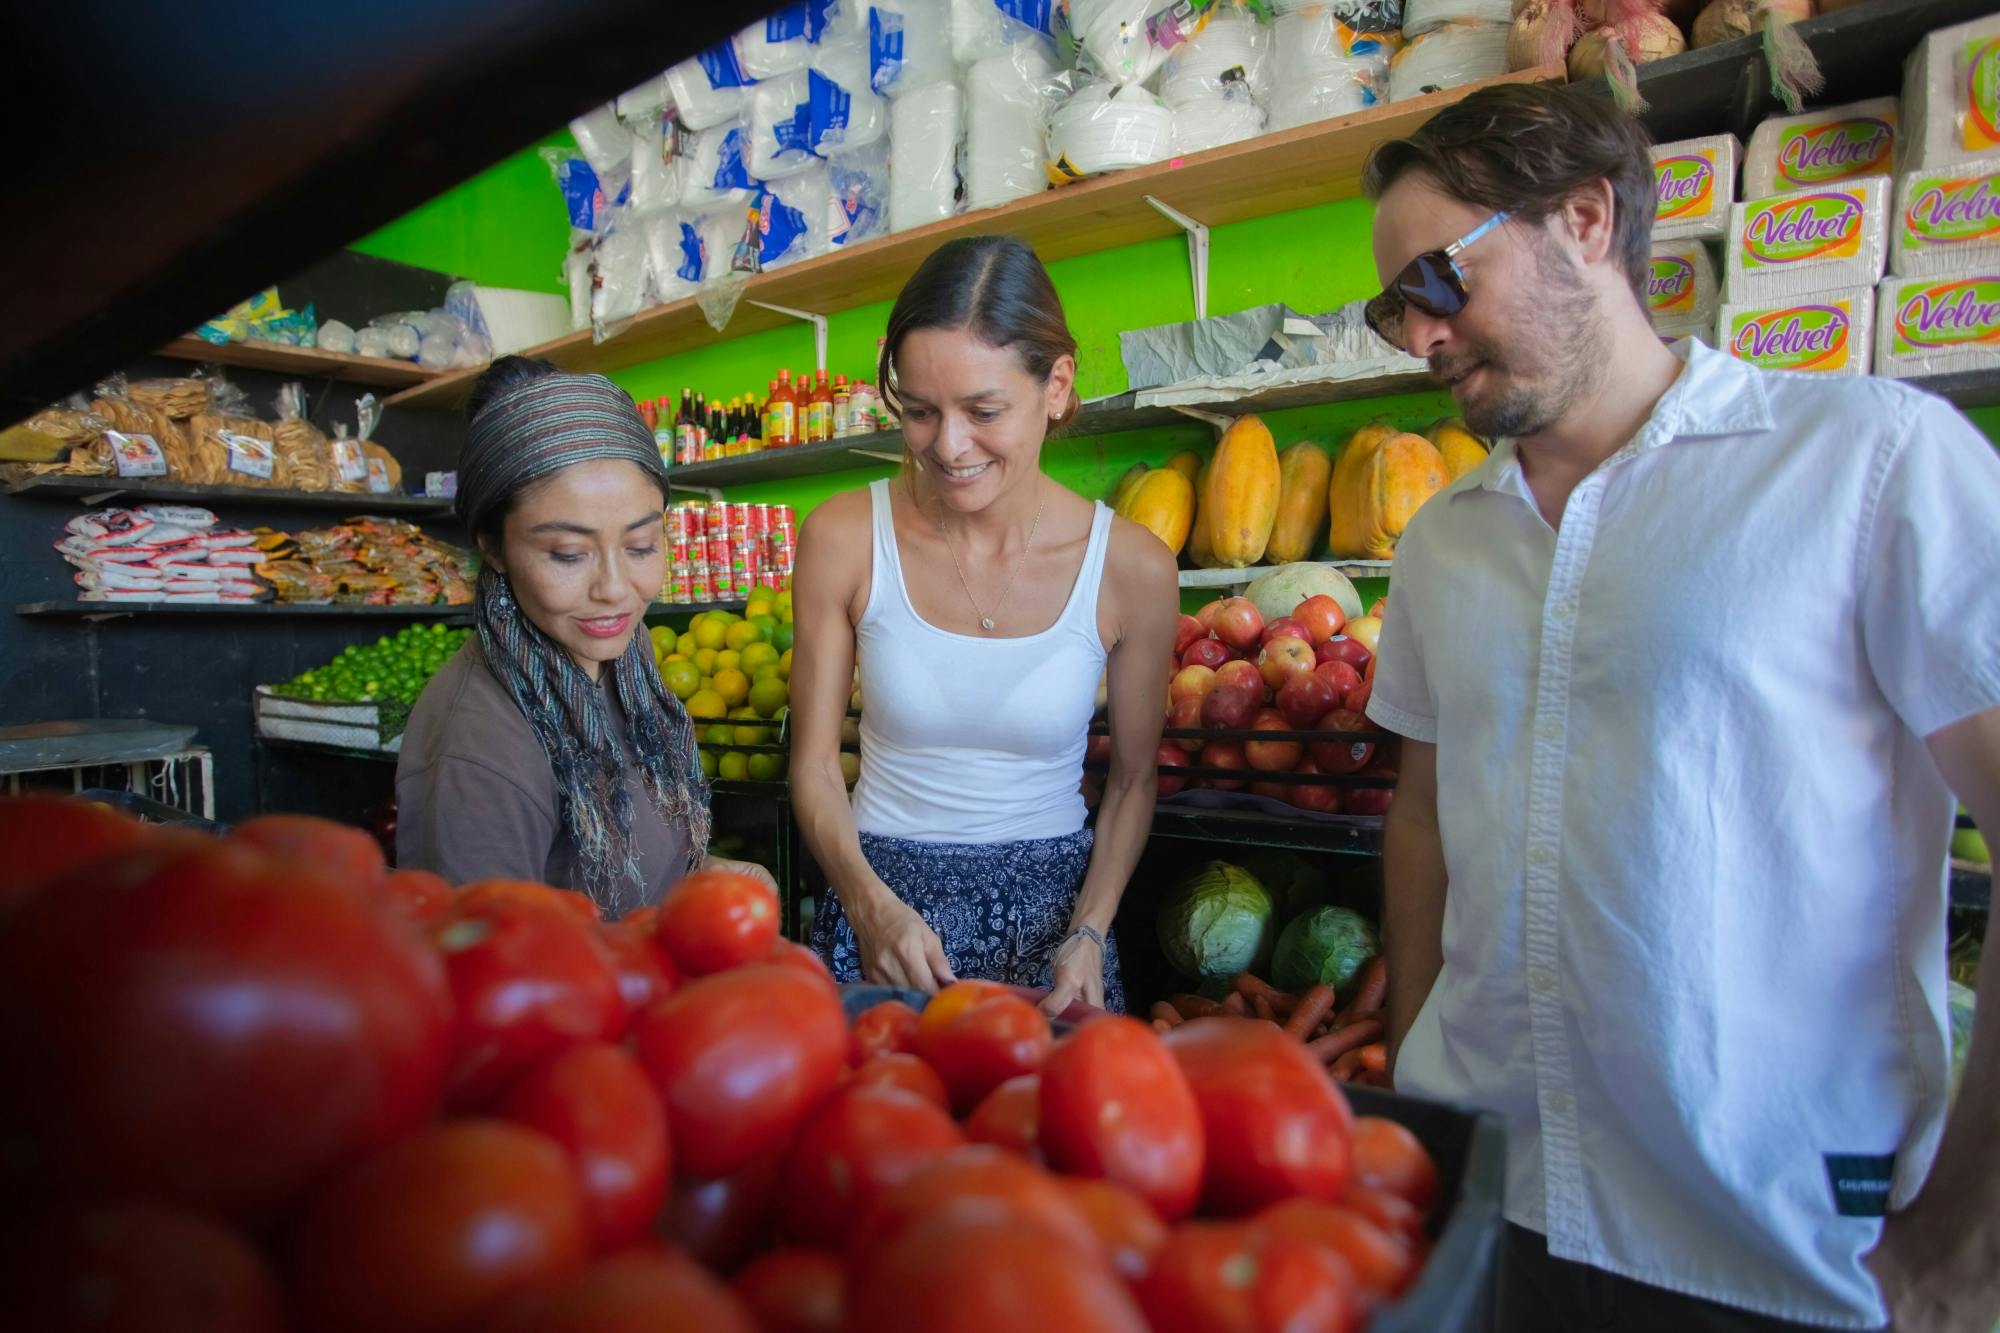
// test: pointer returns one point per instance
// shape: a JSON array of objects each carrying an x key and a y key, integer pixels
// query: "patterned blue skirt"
[{"x": 1000, "y": 909}]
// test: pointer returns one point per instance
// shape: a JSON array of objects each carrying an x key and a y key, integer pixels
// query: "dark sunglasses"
[{"x": 1432, "y": 282}]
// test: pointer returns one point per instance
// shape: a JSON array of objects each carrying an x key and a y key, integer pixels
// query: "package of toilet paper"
[
  {"x": 1946, "y": 218},
  {"x": 1951, "y": 95},
  {"x": 1681, "y": 287},
  {"x": 1808, "y": 241},
  {"x": 1937, "y": 325},
  {"x": 1695, "y": 183},
  {"x": 1828, "y": 333},
  {"x": 1822, "y": 147}
]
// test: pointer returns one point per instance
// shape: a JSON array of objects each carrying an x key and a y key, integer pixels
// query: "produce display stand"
[{"x": 94, "y": 491}]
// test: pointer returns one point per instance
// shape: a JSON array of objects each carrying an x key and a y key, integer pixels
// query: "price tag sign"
[{"x": 249, "y": 455}]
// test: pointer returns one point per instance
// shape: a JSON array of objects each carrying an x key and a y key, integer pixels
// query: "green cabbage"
[
  {"x": 1217, "y": 923},
  {"x": 1330, "y": 944},
  {"x": 1294, "y": 884}
]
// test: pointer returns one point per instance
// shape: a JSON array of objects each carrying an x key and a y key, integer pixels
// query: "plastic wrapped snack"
[
  {"x": 1322, "y": 68},
  {"x": 238, "y": 451},
  {"x": 1008, "y": 96},
  {"x": 180, "y": 398},
  {"x": 779, "y": 45},
  {"x": 780, "y": 119},
  {"x": 131, "y": 425},
  {"x": 909, "y": 45},
  {"x": 1233, "y": 51},
  {"x": 1108, "y": 127},
  {"x": 708, "y": 89}
]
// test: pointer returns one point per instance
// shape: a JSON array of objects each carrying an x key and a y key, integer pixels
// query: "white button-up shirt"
[{"x": 1694, "y": 940}]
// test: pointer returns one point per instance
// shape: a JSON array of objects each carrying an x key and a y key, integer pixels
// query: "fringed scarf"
[{"x": 530, "y": 431}]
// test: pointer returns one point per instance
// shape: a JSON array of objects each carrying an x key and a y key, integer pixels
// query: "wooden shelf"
[
  {"x": 335, "y": 610},
  {"x": 1232, "y": 578},
  {"x": 1274, "y": 173},
  {"x": 101, "y": 490},
  {"x": 304, "y": 362}
]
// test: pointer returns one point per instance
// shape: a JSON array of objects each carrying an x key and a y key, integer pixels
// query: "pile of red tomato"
[{"x": 264, "y": 1083}]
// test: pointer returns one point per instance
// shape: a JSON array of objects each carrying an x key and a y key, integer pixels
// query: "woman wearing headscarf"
[{"x": 548, "y": 749}]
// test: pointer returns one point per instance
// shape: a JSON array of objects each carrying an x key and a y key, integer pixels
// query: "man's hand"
[
  {"x": 1939, "y": 1273},
  {"x": 1077, "y": 974}
]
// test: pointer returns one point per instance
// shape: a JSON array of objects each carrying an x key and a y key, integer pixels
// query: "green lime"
[
  {"x": 733, "y": 767},
  {"x": 766, "y": 767},
  {"x": 708, "y": 765}
]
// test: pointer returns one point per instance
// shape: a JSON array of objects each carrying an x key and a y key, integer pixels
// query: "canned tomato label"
[
  {"x": 680, "y": 551},
  {"x": 701, "y": 585},
  {"x": 715, "y": 520},
  {"x": 739, "y": 520},
  {"x": 760, "y": 519},
  {"x": 719, "y": 550},
  {"x": 680, "y": 584}
]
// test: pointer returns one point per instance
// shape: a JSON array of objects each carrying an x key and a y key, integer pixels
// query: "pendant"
[{"x": 986, "y": 622}]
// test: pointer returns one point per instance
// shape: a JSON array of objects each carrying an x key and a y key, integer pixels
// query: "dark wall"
[{"x": 201, "y": 670}]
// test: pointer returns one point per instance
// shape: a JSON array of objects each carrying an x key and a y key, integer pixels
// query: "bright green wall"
[{"x": 505, "y": 227}]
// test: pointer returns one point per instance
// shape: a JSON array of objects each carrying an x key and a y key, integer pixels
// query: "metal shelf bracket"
[
  {"x": 1197, "y": 243},
  {"x": 817, "y": 321}
]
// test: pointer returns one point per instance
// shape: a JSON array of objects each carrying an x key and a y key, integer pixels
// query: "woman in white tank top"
[{"x": 983, "y": 602}]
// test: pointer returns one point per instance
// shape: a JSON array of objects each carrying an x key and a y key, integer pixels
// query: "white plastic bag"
[
  {"x": 1108, "y": 127},
  {"x": 980, "y": 27},
  {"x": 658, "y": 162},
  {"x": 846, "y": 112},
  {"x": 858, "y": 188},
  {"x": 1116, "y": 36},
  {"x": 926, "y": 126},
  {"x": 623, "y": 266},
  {"x": 1422, "y": 16},
  {"x": 1233, "y": 50},
  {"x": 1008, "y": 96},
  {"x": 679, "y": 257},
  {"x": 716, "y": 173},
  {"x": 778, "y": 45},
  {"x": 1322, "y": 68},
  {"x": 792, "y": 218},
  {"x": 909, "y": 45},
  {"x": 646, "y": 100},
  {"x": 780, "y": 119},
  {"x": 602, "y": 139},
  {"x": 1210, "y": 122},
  {"x": 708, "y": 89},
  {"x": 1449, "y": 57}
]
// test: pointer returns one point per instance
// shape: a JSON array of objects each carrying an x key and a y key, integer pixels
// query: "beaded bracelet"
[{"x": 1089, "y": 932}]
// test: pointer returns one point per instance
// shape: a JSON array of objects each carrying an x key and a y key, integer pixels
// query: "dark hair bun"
[{"x": 503, "y": 375}]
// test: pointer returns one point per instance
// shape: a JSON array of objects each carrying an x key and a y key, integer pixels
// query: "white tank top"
[{"x": 973, "y": 740}]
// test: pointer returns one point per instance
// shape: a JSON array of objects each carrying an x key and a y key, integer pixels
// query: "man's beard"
[{"x": 1555, "y": 361}]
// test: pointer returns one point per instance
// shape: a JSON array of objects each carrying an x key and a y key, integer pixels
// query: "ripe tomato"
[
  {"x": 489, "y": 891},
  {"x": 1011, "y": 1118},
  {"x": 1390, "y": 1215},
  {"x": 1227, "y": 1277},
  {"x": 1127, "y": 1228},
  {"x": 422, "y": 896},
  {"x": 997, "y": 1182},
  {"x": 529, "y": 982},
  {"x": 790, "y": 953},
  {"x": 717, "y": 919},
  {"x": 135, "y": 1268},
  {"x": 1276, "y": 1123},
  {"x": 644, "y": 974},
  {"x": 651, "y": 1289},
  {"x": 598, "y": 1104},
  {"x": 195, "y": 1023},
  {"x": 1115, "y": 1106},
  {"x": 795, "y": 1291},
  {"x": 641, "y": 918},
  {"x": 740, "y": 1058},
  {"x": 886, "y": 1028},
  {"x": 954, "y": 1000},
  {"x": 46, "y": 837},
  {"x": 1388, "y": 1157},
  {"x": 971, "y": 1271},
  {"x": 906, "y": 1072},
  {"x": 435, "y": 1230},
  {"x": 1383, "y": 1265},
  {"x": 991, "y": 1040},
  {"x": 860, "y": 1142},
  {"x": 723, "y": 1222},
  {"x": 347, "y": 856}
]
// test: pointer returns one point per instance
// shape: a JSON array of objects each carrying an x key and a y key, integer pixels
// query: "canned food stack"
[{"x": 722, "y": 552}]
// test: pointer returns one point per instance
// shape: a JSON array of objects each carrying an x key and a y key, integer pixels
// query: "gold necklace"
[{"x": 986, "y": 622}]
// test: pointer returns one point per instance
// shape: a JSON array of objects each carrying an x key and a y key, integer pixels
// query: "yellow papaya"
[
  {"x": 1461, "y": 450},
  {"x": 1125, "y": 483},
  {"x": 1303, "y": 473},
  {"x": 1380, "y": 482},
  {"x": 1242, "y": 493},
  {"x": 1201, "y": 551},
  {"x": 1162, "y": 502},
  {"x": 1188, "y": 463}
]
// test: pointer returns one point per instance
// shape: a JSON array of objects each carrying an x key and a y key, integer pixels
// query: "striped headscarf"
[{"x": 527, "y": 431}]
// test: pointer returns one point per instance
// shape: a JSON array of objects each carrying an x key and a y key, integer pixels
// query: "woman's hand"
[
  {"x": 897, "y": 948},
  {"x": 750, "y": 868},
  {"x": 1077, "y": 974}
]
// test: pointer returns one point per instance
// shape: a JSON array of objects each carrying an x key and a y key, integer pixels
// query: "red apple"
[
  {"x": 1272, "y": 756},
  {"x": 1184, "y": 714},
  {"x": 1169, "y": 757},
  {"x": 1340, "y": 648},
  {"x": 1196, "y": 681},
  {"x": 1341, "y": 676},
  {"x": 1210, "y": 653},
  {"x": 1284, "y": 658},
  {"x": 1314, "y": 795},
  {"x": 1380, "y": 609},
  {"x": 1188, "y": 631},
  {"x": 1272, "y": 791},
  {"x": 1238, "y": 623},
  {"x": 1205, "y": 614},
  {"x": 1321, "y": 616},
  {"x": 1343, "y": 756},
  {"x": 1356, "y": 699},
  {"x": 1368, "y": 800},
  {"x": 1241, "y": 676},
  {"x": 1230, "y": 707},
  {"x": 1223, "y": 754},
  {"x": 1281, "y": 626},
  {"x": 1305, "y": 699}
]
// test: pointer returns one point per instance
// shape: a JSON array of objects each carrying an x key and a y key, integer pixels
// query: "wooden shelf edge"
[
  {"x": 310, "y": 362},
  {"x": 1062, "y": 223},
  {"x": 51, "y": 486}
]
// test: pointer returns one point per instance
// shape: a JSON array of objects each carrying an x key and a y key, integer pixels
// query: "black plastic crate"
[{"x": 1455, "y": 1292}]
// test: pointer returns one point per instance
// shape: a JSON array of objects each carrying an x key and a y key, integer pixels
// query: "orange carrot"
[
  {"x": 1336, "y": 1044},
  {"x": 1375, "y": 1057},
  {"x": 1163, "y": 1012},
  {"x": 1161, "y": 1025},
  {"x": 1312, "y": 1011},
  {"x": 1346, "y": 1067},
  {"x": 1194, "y": 1006},
  {"x": 1282, "y": 1003},
  {"x": 1236, "y": 1004},
  {"x": 1261, "y": 1008}
]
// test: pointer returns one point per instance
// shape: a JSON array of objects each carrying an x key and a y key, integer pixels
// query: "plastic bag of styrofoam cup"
[
  {"x": 1008, "y": 97},
  {"x": 1322, "y": 68},
  {"x": 1234, "y": 50},
  {"x": 846, "y": 113},
  {"x": 709, "y": 88},
  {"x": 716, "y": 173},
  {"x": 909, "y": 45},
  {"x": 858, "y": 187},
  {"x": 1108, "y": 127},
  {"x": 1211, "y": 121},
  {"x": 675, "y": 246},
  {"x": 602, "y": 139},
  {"x": 926, "y": 128},
  {"x": 980, "y": 27},
  {"x": 778, "y": 45},
  {"x": 780, "y": 119}
]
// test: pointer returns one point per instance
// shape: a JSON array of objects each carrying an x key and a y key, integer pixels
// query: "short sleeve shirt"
[{"x": 1695, "y": 930}]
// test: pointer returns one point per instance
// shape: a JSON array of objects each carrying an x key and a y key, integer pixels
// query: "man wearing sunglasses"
[{"x": 1688, "y": 671}]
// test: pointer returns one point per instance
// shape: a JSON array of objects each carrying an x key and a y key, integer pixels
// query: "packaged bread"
[
  {"x": 303, "y": 452},
  {"x": 180, "y": 398},
  {"x": 237, "y": 451},
  {"x": 125, "y": 416},
  {"x": 385, "y": 474}
]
